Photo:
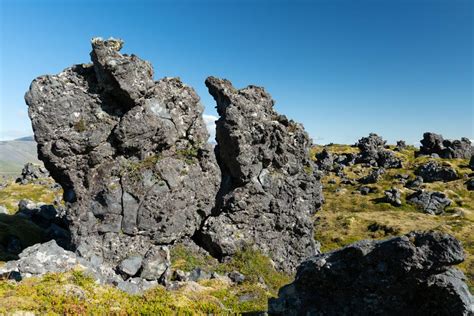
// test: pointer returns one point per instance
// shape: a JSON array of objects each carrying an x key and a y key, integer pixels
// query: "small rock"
[
  {"x": 131, "y": 265},
  {"x": 430, "y": 202},
  {"x": 433, "y": 171},
  {"x": 179, "y": 275},
  {"x": 156, "y": 263},
  {"x": 470, "y": 184},
  {"x": 393, "y": 197},
  {"x": 415, "y": 183},
  {"x": 372, "y": 177},
  {"x": 198, "y": 274},
  {"x": 236, "y": 277}
]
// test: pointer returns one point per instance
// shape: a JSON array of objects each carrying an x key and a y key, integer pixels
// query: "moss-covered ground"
[{"x": 346, "y": 217}]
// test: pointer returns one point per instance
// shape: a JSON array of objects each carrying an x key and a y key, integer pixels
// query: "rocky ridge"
[{"x": 138, "y": 174}]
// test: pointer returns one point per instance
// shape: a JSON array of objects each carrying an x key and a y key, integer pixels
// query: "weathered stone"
[
  {"x": 435, "y": 144},
  {"x": 131, "y": 265},
  {"x": 198, "y": 274},
  {"x": 372, "y": 177},
  {"x": 407, "y": 275},
  {"x": 236, "y": 277},
  {"x": 30, "y": 173},
  {"x": 373, "y": 152},
  {"x": 415, "y": 183},
  {"x": 401, "y": 145},
  {"x": 433, "y": 171},
  {"x": 131, "y": 153},
  {"x": 269, "y": 188},
  {"x": 430, "y": 202},
  {"x": 393, "y": 196},
  {"x": 156, "y": 263}
]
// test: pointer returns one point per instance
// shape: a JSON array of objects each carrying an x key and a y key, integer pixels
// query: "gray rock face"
[
  {"x": 269, "y": 187},
  {"x": 393, "y": 196},
  {"x": 430, "y": 202},
  {"x": 138, "y": 174},
  {"x": 373, "y": 152},
  {"x": 435, "y": 144},
  {"x": 433, "y": 171},
  {"x": 401, "y": 145},
  {"x": 329, "y": 162},
  {"x": 131, "y": 265},
  {"x": 407, "y": 275},
  {"x": 31, "y": 172},
  {"x": 372, "y": 177},
  {"x": 415, "y": 183},
  {"x": 131, "y": 153}
]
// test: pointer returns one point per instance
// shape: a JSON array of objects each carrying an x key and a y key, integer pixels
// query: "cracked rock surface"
[
  {"x": 269, "y": 188},
  {"x": 131, "y": 153},
  {"x": 138, "y": 175},
  {"x": 407, "y": 275}
]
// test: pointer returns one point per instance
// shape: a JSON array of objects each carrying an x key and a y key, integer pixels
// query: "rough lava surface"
[
  {"x": 407, "y": 275},
  {"x": 269, "y": 187},
  {"x": 138, "y": 174},
  {"x": 131, "y": 153}
]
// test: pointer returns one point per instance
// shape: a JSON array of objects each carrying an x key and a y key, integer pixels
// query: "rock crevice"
[{"x": 132, "y": 156}]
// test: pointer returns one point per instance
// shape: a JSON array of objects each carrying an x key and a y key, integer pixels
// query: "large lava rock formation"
[{"x": 138, "y": 174}]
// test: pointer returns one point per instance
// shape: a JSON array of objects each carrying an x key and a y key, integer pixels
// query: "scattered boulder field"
[{"x": 148, "y": 203}]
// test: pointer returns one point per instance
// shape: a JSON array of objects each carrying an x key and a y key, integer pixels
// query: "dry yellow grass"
[{"x": 347, "y": 216}]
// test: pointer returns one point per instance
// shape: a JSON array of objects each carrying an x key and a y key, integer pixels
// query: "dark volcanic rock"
[
  {"x": 373, "y": 152},
  {"x": 407, "y": 275},
  {"x": 415, "y": 183},
  {"x": 470, "y": 184},
  {"x": 138, "y": 174},
  {"x": 435, "y": 144},
  {"x": 372, "y": 177},
  {"x": 31, "y": 172},
  {"x": 401, "y": 145},
  {"x": 433, "y": 171},
  {"x": 269, "y": 188},
  {"x": 430, "y": 202},
  {"x": 393, "y": 196},
  {"x": 130, "y": 153},
  {"x": 471, "y": 163}
]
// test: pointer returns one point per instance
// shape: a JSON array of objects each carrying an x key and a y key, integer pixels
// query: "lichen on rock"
[
  {"x": 110, "y": 134},
  {"x": 138, "y": 173}
]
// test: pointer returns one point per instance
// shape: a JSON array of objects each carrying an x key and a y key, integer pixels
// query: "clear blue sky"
[{"x": 342, "y": 68}]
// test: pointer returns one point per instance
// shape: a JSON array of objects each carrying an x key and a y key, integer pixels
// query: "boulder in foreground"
[{"x": 407, "y": 275}]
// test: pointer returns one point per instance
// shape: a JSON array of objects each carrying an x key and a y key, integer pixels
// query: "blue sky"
[{"x": 342, "y": 68}]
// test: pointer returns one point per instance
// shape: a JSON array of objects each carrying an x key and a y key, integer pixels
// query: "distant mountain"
[
  {"x": 15, "y": 153},
  {"x": 26, "y": 139}
]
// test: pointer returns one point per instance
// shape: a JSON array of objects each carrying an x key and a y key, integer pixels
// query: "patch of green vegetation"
[
  {"x": 14, "y": 192},
  {"x": 189, "y": 155},
  {"x": 308, "y": 170},
  {"x": 80, "y": 126},
  {"x": 347, "y": 216},
  {"x": 75, "y": 293},
  {"x": 133, "y": 169},
  {"x": 254, "y": 265}
]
